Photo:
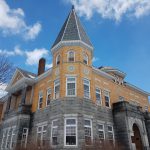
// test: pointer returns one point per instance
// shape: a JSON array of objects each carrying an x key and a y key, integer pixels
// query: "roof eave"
[{"x": 72, "y": 43}]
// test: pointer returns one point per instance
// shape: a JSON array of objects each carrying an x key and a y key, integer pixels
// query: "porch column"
[
  {"x": 23, "y": 95},
  {"x": 8, "y": 103}
]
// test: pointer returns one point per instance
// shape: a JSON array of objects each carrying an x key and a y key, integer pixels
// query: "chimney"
[{"x": 41, "y": 67}]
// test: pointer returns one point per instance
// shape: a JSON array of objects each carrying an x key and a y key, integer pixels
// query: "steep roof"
[
  {"x": 27, "y": 73},
  {"x": 72, "y": 30}
]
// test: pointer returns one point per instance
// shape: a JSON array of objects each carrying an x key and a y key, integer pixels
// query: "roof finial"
[{"x": 72, "y": 7}]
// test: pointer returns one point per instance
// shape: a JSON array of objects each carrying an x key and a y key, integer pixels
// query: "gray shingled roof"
[{"x": 72, "y": 30}]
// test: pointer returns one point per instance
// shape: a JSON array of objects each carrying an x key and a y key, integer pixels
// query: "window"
[
  {"x": 146, "y": 108},
  {"x": 49, "y": 96},
  {"x": 86, "y": 84},
  {"x": 41, "y": 135},
  {"x": 56, "y": 88},
  {"x": 98, "y": 96},
  {"x": 70, "y": 132},
  {"x": 12, "y": 143},
  {"x": 40, "y": 100},
  {"x": 8, "y": 139},
  {"x": 85, "y": 59},
  {"x": 71, "y": 86},
  {"x": 110, "y": 133},
  {"x": 54, "y": 133},
  {"x": 121, "y": 99},
  {"x": 3, "y": 139},
  {"x": 24, "y": 137},
  {"x": 71, "y": 56},
  {"x": 88, "y": 131},
  {"x": 101, "y": 133},
  {"x": 58, "y": 60},
  {"x": 107, "y": 98}
]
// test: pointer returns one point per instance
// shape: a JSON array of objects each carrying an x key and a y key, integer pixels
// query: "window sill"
[{"x": 70, "y": 146}]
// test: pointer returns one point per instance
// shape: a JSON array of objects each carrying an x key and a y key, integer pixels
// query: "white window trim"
[
  {"x": 42, "y": 126},
  {"x": 47, "y": 95},
  {"x": 100, "y": 96},
  {"x": 65, "y": 132},
  {"x": 39, "y": 99},
  {"x": 90, "y": 127},
  {"x": 54, "y": 87},
  {"x": 68, "y": 55},
  {"x": 4, "y": 135},
  {"x": 87, "y": 58},
  {"x": 109, "y": 98},
  {"x": 102, "y": 130},
  {"x": 89, "y": 88},
  {"x": 58, "y": 55},
  {"x": 8, "y": 129},
  {"x": 52, "y": 130},
  {"x": 111, "y": 131},
  {"x": 75, "y": 86},
  {"x": 26, "y": 134}
]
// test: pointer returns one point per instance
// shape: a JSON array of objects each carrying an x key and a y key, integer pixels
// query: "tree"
[{"x": 6, "y": 70}]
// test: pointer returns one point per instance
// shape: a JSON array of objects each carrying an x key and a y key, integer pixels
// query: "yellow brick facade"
[{"x": 82, "y": 71}]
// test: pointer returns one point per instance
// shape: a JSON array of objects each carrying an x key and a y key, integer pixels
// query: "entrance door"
[{"x": 136, "y": 139}]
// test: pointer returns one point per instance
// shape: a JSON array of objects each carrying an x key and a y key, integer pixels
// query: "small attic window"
[{"x": 58, "y": 60}]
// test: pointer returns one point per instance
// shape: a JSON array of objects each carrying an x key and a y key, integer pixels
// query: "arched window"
[
  {"x": 85, "y": 59},
  {"x": 71, "y": 56},
  {"x": 58, "y": 60}
]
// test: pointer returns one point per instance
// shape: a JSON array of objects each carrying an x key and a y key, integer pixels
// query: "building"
[{"x": 73, "y": 103}]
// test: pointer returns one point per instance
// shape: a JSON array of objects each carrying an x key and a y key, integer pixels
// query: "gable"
[{"x": 17, "y": 77}]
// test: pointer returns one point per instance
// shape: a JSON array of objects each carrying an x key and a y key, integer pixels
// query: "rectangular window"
[
  {"x": 101, "y": 133},
  {"x": 70, "y": 132},
  {"x": 41, "y": 135},
  {"x": 4, "y": 139},
  {"x": 49, "y": 97},
  {"x": 71, "y": 86},
  {"x": 56, "y": 88},
  {"x": 24, "y": 137},
  {"x": 86, "y": 84},
  {"x": 146, "y": 108},
  {"x": 107, "y": 98},
  {"x": 88, "y": 131},
  {"x": 40, "y": 100},
  {"x": 12, "y": 142},
  {"x": 98, "y": 96},
  {"x": 54, "y": 134},
  {"x": 8, "y": 139},
  {"x": 110, "y": 133}
]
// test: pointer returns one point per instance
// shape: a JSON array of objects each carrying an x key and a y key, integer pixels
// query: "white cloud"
[
  {"x": 12, "y": 22},
  {"x": 112, "y": 9},
  {"x": 95, "y": 59},
  {"x": 49, "y": 66},
  {"x": 33, "y": 31},
  {"x": 34, "y": 56}
]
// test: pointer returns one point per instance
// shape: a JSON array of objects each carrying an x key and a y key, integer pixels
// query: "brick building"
[{"x": 73, "y": 103}]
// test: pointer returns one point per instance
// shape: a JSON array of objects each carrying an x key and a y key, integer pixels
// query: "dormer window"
[
  {"x": 85, "y": 59},
  {"x": 58, "y": 60},
  {"x": 71, "y": 56}
]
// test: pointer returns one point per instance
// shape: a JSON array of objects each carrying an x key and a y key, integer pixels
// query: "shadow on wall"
[{"x": 96, "y": 145}]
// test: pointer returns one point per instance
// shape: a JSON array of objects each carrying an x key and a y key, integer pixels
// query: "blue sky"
[{"x": 120, "y": 33}]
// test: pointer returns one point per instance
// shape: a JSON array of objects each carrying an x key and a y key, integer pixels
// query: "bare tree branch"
[{"x": 6, "y": 70}]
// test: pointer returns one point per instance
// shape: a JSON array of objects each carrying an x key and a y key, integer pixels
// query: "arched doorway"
[{"x": 136, "y": 139}]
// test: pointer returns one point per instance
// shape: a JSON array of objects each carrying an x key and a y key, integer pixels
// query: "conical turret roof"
[{"x": 72, "y": 31}]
